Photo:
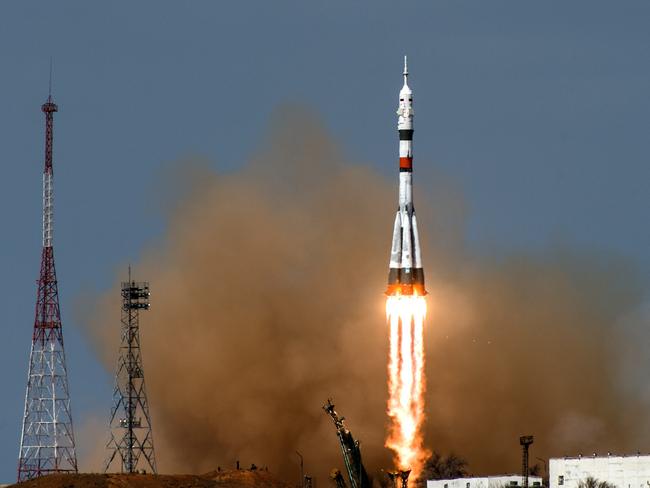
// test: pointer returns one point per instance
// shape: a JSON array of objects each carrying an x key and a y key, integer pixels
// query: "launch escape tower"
[
  {"x": 130, "y": 425},
  {"x": 525, "y": 441},
  {"x": 47, "y": 439},
  {"x": 351, "y": 452}
]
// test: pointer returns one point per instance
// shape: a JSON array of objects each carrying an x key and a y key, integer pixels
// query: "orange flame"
[{"x": 406, "y": 381}]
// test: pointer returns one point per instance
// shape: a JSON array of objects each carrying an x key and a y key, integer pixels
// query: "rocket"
[{"x": 405, "y": 275}]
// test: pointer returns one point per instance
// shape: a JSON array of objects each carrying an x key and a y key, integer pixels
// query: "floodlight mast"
[
  {"x": 525, "y": 442},
  {"x": 131, "y": 434}
]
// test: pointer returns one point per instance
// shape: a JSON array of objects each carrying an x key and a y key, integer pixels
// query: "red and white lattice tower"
[{"x": 47, "y": 440}]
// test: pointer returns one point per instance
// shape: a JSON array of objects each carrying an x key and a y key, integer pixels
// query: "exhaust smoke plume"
[{"x": 267, "y": 298}]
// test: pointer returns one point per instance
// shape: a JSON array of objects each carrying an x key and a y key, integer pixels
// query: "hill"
[{"x": 214, "y": 479}]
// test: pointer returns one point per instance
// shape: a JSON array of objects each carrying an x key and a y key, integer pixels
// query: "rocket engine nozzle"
[{"x": 406, "y": 290}]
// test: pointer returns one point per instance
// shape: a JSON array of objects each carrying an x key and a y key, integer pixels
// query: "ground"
[{"x": 215, "y": 479}]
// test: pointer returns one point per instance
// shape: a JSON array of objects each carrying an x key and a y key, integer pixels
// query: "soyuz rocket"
[{"x": 405, "y": 276}]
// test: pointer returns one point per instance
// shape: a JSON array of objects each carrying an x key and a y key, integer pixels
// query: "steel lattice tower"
[
  {"x": 525, "y": 441},
  {"x": 47, "y": 440},
  {"x": 131, "y": 437}
]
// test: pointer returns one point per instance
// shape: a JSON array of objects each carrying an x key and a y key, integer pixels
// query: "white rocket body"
[{"x": 405, "y": 276}]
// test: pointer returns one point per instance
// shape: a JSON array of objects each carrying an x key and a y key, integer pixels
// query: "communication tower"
[
  {"x": 47, "y": 439},
  {"x": 131, "y": 438}
]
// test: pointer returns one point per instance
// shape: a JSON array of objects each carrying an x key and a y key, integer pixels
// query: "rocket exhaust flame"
[
  {"x": 405, "y": 311},
  {"x": 406, "y": 387}
]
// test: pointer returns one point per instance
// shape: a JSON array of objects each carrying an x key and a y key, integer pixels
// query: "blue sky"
[{"x": 538, "y": 111}]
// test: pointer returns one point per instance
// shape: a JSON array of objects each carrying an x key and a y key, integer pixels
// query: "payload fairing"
[{"x": 405, "y": 276}]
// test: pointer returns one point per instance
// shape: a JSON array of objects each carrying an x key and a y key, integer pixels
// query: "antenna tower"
[
  {"x": 131, "y": 437},
  {"x": 47, "y": 439}
]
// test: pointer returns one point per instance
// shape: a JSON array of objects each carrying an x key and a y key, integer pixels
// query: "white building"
[
  {"x": 621, "y": 471},
  {"x": 504, "y": 481}
]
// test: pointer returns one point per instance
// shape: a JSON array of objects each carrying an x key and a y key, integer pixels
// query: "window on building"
[
  {"x": 467, "y": 485},
  {"x": 513, "y": 483},
  {"x": 560, "y": 480},
  {"x": 536, "y": 483}
]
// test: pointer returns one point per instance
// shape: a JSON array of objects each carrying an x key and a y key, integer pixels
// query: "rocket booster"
[{"x": 405, "y": 276}]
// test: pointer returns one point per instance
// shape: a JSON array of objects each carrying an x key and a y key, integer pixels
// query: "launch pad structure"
[
  {"x": 402, "y": 476},
  {"x": 351, "y": 453},
  {"x": 131, "y": 434}
]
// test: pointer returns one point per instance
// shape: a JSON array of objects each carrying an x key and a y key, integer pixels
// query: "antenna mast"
[
  {"x": 131, "y": 436},
  {"x": 47, "y": 438}
]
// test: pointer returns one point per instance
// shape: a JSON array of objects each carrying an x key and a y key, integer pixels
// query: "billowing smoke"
[{"x": 267, "y": 298}]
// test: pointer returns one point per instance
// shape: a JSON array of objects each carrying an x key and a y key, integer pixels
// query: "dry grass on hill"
[{"x": 214, "y": 479}]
